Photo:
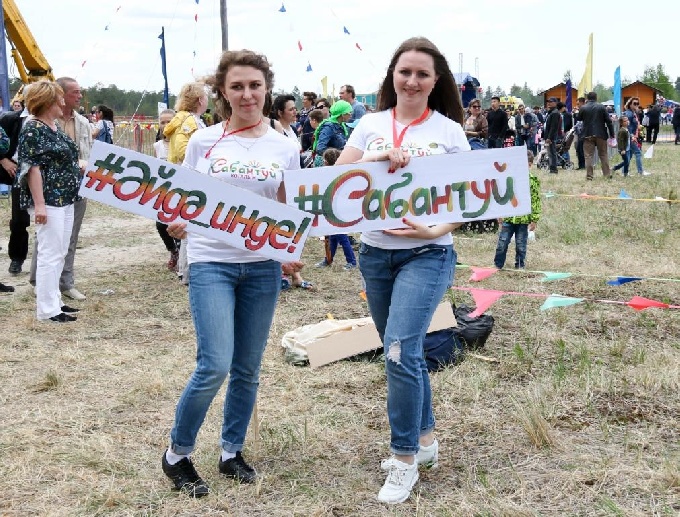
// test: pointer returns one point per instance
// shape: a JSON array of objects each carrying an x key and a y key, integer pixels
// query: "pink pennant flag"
[
  {"x": 481, "y": 273},
  {"x": 359, "y": 47},
  {"x": 83, "y": 63},
  {"x": 196, "y": 17},
  {"x": 639, "y": 303},
  {"x": 299, "y": 45},
  {"x": 484, "y": 299}
]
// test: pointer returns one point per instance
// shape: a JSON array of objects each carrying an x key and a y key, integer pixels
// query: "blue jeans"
[
  {"x": 521, "y": 232},
  {"x": 624, "y": 163},
  {"x": 635, "y": 150},
  {"x": 232, "y": 306},
  {"x": 343, "y": 240},
  {"x": 403, "y": 288}
]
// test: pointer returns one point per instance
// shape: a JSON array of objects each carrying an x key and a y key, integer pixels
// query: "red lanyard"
[
  {"x": 225, "y": 134},
  {"x": 397, "y": 139}
]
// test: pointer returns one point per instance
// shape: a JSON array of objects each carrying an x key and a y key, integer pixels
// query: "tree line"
[{"x": 125, "y": 102}]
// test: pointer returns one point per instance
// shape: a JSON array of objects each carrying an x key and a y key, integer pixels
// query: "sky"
[{"x": 500, "y": 42}]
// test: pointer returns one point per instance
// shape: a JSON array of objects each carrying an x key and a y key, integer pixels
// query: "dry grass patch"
[{"x": 577, "y": 417}]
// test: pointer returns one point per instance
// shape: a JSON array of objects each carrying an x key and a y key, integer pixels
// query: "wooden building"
[
  {"x": 559, "y": 91},
  {"x": 646, "y": 93}
]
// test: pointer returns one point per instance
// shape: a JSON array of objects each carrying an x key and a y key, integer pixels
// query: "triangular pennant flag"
[
  {"x": 549, "y": 194},
  {"x": 196, "y": 17},
  {"x": 624, "y": 195},
  {"x": 106, "y": 28},
  {"x": 649, "y": 153},
  {"x": 480, "y": 273},
  {"x": 639, "y": 303},
  {"x": 299, "y": 45},
  {"x": 557, "y": 300},
  {"x": 551, "y": 275},
  {"x": 359, "y": 47},
  {"x": 620, "y": 280},
  {"x": 309, "y": 67},
  {"x": 83, "y": 63},
  {"x": 484, "y": 299},
  {"x": 282, "y": 9},
  {"x": 344, "y": 29}
]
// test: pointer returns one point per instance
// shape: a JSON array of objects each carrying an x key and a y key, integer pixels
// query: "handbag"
[{"x": 645, "y": 120}]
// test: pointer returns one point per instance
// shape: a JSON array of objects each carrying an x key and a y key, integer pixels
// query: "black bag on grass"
[
  {"x": 442, "y": 348},
  {"x": 473, "y": 332},
  {"x": 448, "y": 346}
]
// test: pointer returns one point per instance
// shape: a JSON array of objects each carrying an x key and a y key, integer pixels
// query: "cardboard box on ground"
[{"x": 363, "y": 338}]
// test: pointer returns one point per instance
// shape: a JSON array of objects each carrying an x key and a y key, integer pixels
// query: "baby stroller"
[
  {"x": 562, "y": 147},
  {"x": 509, "y": 140}
]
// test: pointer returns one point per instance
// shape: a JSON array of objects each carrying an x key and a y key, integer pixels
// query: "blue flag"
[
  {"x": 344, "y": 29},
  {"x": 283, "y": 8},
  {"x": 166, "y": 94},
  {"x": 617, "y": 90},
  {"x": 309, "y": 67},
  {"x": 567, "y": 102}
]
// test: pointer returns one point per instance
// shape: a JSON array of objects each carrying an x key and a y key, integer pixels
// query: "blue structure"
[{"x": 468, "y": 86}]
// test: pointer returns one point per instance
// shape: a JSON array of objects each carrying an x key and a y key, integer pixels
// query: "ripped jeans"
[{"x": 403, "y": 288}]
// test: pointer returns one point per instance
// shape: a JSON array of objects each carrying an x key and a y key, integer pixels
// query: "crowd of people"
[{"x": 406, "y": 271}]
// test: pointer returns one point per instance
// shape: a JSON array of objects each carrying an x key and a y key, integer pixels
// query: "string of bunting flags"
[
  {"x": 300, "y": 47},
  {"x": 485, "y": 298},
  {"x": 482, "y": 273},
  {"x": 94, "y": 47},
  {"x": 622, "y": 195}
]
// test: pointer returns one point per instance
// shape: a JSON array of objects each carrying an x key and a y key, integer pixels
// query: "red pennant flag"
[
  {"x": 196, "y": 17},
  {"x": 83, "y": 64},
  {"x": 484, "y": 299},
  {"x": 639, "y": 303},
  {"x": 480, "y": 273},
  {"x": 299, "y": 45},
  {"x": 358, "y": 46}
]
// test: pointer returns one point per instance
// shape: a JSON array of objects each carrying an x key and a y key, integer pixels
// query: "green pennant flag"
[
  {"x": 557, "y": 300},
  {"x": 551, "y": 275}
]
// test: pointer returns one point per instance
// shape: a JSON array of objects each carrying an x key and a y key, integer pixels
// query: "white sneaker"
[
  {"x": 400, "y": 480},
  {"x": 74, "y": 294},
  {"x": 427, "y": 457},
  {"x": 645, "y": 173}
]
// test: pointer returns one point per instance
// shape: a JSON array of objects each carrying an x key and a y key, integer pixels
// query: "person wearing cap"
[
  {"x": 553, "y": 123},
  {"x": 597, "y": 127},
  {"x": 332, "y": 132}
]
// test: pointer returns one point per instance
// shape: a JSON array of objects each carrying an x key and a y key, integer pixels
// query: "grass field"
[{"x": 577, "y": 416}]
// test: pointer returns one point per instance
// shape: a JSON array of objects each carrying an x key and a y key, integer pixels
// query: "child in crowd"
[
  {"x": 315, "y": 118},
  {"x": 162, "y": 144},
  {"x": 330, "y": 155},
  {"x": 161, "y": 148},
  {"x": 520, "y": 226},
  {"x": 623, "y": 145}
]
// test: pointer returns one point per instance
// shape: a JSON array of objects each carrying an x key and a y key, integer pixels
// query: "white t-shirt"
[
  {"x": 256, "y": 164},
  {"x": 100, "y": 126},
  {"x": 161, "y": 149},
  {"x": 290, "y": 133},
  {"x": 437, "y": 135}
]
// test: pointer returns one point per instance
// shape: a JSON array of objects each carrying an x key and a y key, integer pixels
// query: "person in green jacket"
[{"x": 519, "y": 226}]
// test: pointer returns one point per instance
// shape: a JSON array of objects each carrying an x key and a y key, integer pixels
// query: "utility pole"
[{"x": 225, "y": 25}]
